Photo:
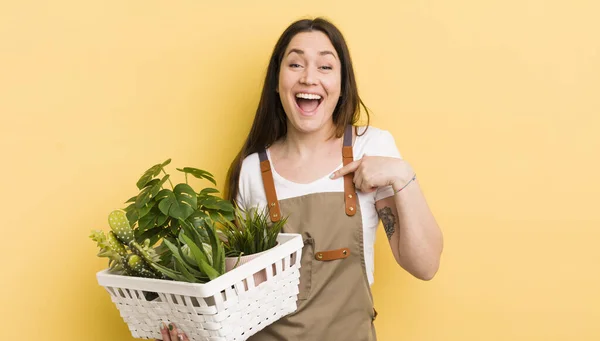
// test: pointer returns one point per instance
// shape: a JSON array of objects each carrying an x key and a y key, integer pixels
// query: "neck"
[{"x": 305, "y": 144}]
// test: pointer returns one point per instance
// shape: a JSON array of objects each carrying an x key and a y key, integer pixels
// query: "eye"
[
  {"x": 294, "y": 65},
  {"x": 326, "y": 68}
]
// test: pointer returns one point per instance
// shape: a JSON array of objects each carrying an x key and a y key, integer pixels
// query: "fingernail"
[
  {"x": 163, "y": 326},
  {"x": 180, "y": 337},
  {"x": 170, "y": 326},
  {"x": 332, "y": 175}
]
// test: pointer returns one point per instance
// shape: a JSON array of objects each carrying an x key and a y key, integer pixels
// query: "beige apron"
[{"x": 334, "y": 302}]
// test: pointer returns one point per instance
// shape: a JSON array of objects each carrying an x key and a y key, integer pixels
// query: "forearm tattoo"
[{"x": 389, "y": 221}]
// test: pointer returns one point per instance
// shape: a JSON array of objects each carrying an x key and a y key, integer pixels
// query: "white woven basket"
[{"x": 228, "y": 308}]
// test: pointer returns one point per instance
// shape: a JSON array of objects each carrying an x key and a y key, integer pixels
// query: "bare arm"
[{"x": 414, "y": 236}]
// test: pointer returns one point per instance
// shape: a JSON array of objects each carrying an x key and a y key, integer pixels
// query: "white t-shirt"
[{"x": 375, "y": 142}]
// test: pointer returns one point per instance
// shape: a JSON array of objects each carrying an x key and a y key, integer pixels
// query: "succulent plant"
[
  {"x": 197, "y": 259},
  {"x": 113, "y": 250},
  {"x": 251, "y": 232}
]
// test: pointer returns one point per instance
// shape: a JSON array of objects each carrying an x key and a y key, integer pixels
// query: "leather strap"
[
  {"x": 267, "y": 176},
  {"x": 348, "y": 157},
  {"x": 349, "y": 189},
  {"x": 332, "y": 254}
]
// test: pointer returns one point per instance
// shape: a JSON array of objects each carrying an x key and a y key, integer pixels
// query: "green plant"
[
  {"x": 184, "y": 220},
  {"x": 125, "y": 254},
  {"x": 155, "y": 212},
  {"x": 194, "y": 259},
  {"x": 250, "y": 232}
]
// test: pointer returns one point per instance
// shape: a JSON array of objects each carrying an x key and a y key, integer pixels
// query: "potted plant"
[
  {"x": 181, "y": 218},
  {"x": 248, "y": 236},
  {"x": 167, "y": 251}
]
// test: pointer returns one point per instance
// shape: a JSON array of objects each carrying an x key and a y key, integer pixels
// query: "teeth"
[{"x": 308, "y": 96}]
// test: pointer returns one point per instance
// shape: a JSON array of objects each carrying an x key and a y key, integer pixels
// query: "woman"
[{"x": 304, "y": 159}]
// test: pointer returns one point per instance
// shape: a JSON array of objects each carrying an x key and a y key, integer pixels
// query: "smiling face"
[{"x": 310, "y": 82}]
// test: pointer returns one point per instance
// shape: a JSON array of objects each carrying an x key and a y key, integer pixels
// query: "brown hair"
[{"x": 270, "y": 122}]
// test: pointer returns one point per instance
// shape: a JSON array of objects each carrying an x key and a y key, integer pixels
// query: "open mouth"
[{"x": 308, "y": 103}]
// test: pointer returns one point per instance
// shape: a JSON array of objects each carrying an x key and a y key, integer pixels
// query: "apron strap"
[
  {"x": 348, "y": 157},
  {"x": 267, "y": 176},
  {"x": 349, "y": 189}
]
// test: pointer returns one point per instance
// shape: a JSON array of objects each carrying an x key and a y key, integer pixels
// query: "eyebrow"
[{"x": 322, "y": 53}]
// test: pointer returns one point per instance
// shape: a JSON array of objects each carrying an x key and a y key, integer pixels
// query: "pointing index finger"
[{"x": 349, "y": 168}]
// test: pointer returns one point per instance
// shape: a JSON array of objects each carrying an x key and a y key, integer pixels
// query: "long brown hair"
[{"x": 270, "y": 122}]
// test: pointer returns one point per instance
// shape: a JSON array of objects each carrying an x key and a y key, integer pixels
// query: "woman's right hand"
[{"x": 171, "y": 333}]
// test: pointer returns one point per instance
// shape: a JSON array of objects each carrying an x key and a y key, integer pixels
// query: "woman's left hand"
[{"x": 372, "y": 172}]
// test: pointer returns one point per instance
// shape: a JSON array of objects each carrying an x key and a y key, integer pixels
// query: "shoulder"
[
  {"x": 372, "y": 134},
  {"x": 250, "y": 185},
  {"x": 251, "y": 164},
  {"x": 250, "y": 171},
  {"x": 375, "y": 141}
]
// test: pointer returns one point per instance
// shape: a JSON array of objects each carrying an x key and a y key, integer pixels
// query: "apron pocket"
[{"x": 306, "y": 268}]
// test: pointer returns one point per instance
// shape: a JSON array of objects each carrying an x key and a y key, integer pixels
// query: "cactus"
[
  {"x": 115, "y": 244},
  {"x": 117, "y": 220},
  {"x": 106, "y": 249},
  {"x": 139, "y": 267},
  {"x": 121, "y": 238},
  {"x": 193, "y": 257}
]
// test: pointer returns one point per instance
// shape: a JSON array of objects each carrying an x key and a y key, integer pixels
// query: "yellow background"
[{"x": 495, "y": 103}]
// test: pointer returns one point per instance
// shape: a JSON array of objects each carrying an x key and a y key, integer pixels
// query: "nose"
[{"x": 309, "y": 77}]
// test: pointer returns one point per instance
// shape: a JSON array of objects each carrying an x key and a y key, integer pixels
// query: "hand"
[
  {"x": 171, "y": 333},
  {"x": 372, "y": 172}
]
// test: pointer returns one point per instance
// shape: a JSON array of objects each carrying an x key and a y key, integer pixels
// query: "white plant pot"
[{"x": 259, "y": 277}]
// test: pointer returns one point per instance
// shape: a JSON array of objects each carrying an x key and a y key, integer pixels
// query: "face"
[{"x": 310, "y": 82}]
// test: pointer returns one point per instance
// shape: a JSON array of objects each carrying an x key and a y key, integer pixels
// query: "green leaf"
[
  {"x": 188, "y": 258},
  {"x": 173, "y": 248},
  {"x": 209, "y": 202},
  {"x": 157, "y": 187},
  {"x": 201, "y": 259},
  {"x": 179, "y": 203},
  {"x": 176, "y": 252},
  {"x": 169, "y": 273},
  {"x": 215, "y": 216},
  {"x": 162, "y": 219},
  {"x": 196, "y": 250},
  {"x": 208, "y": 191},
  {"x": 251, "y": 232},
  {"x": 148, "y": 176},
  {"x": 154, "y": 234},
  {"x": 198, "y": 235},
  {"x": 151, "y": 183},
  {"x": 150, "y": 191},
  {"x": 132, "y": 214},
  {"x": 198, "y": 173},
  {"x": 197, "y": 217},
  {"x": 142, "y": 211},
  {"x": 216, "y": 247},
  {"x": 151, "y": 219},
  {"x": 154, "y": 218},
  {"x": 225, "y": 205},
  {"x": 229, "y": 216},
  {"x": 174, "y": 227},
  {"x": 143, "y": 197},
  {"x": 151, "y": 173},
  {"x": 144, "y": 201},
  {"x": 132, "y": 199},
  {"x": 182, "y": 267}
]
